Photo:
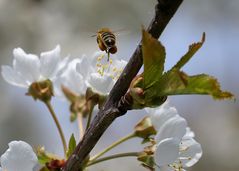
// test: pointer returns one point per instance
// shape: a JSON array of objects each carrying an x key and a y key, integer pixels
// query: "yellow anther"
[
  {"x": 185, "y": 148},
  {"x": 115, "y": 69},
  {"x": 112, "y": 76},
  {"x": 105, "y": 66}
]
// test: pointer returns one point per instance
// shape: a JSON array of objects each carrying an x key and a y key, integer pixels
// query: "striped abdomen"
[{"x": 108, "y": 39}]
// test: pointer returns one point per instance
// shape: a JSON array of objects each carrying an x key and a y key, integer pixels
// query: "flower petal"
[
  {"x": 27, "y": 65},
  {"x": 165, "y": 168},
  {"x": 19, "y": 156},
  {"x": 72, "y": 79},
  {"x": 62, "y": 65},
  {"x": 189, "y": 133},
  {"x": 84, "y": 66},
  {"x": 100, "y": 84},
  {"x": 167, "y": 151},
  {"x": 161, "y": 114},
  {"x": 49, "y": 62},
  {"x": 96, "y": 57},
  {"x": 190, "y": 153},
  {"x": 119, "y": 64},
  {"x": 174, "y": 127},
  {"x": 12, "y": 77}
]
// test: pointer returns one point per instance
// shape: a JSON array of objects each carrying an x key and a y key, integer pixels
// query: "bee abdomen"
[{"x": 108, "y": 38}]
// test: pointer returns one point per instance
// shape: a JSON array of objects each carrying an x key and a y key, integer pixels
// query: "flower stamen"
[{"x": 108, "y": 68}]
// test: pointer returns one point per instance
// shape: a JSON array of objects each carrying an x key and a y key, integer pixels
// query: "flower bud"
[
  {"x": 70, "y": 95},
  {"x": 44, "y": 157},
  {"x": 82, "y": 104},
  {"x": 55, "y": 164},
  {"x": 138, "y": 81},
  {"x": 42, "y": 90},
  {"x": 138, "y": 95},
  {"x": 78, "y": 106}
]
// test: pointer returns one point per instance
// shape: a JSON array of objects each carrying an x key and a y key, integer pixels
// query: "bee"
[{"x": 106, "y": 41}]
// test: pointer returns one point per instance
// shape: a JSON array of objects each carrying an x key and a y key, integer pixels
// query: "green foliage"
[
  {"x": 158, "y": 85},
  {"x": 71, "y": 146},
  {"x": 193, "y": 48},
  {"x": 177, "y": 82},
  {"x": 154, "y": 58}
]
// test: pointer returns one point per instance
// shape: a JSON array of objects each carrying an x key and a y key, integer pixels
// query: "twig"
[
  {"x": 164, "y": 11},
  {"x": 130, "y": 154},
  {"x": 58, "y": 125},
  {"x": 80, "y": 125},
  {"x": 132, "y": 135}
]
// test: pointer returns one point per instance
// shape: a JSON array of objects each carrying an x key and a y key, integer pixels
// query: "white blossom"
[
  {"x": 29, "y": 68},
  {"x": 175, "y": 147},
  {"x": 104, "y": 73},
  {"x": 161, "y": 114},
  {"x": 94, "y": 72},
  {"x": 71, "y": 79},
  {"x": 18, "y": 157}
]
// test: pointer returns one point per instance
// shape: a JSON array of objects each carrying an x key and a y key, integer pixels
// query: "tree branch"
[{"x": 164, "y": 11}]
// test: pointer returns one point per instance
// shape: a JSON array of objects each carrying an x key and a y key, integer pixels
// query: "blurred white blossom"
[
  {"x": 18, "y": 157},
  {"x": 29, "y": 68},
  {"x": 175, "y": 147},
  {"x": 92, "y": 72},
  {"x": 72, "y": 79}
]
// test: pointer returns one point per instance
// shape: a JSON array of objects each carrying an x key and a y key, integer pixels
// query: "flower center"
[
  {"x": 177, "y": 166},
  {"x": 107, "y": 68},
  {"x": 184, "y": 148}
]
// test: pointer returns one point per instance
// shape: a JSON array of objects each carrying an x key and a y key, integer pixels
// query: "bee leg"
[
  {"x": 108, "y": 56},
  {"x": 108, "y": 53}
]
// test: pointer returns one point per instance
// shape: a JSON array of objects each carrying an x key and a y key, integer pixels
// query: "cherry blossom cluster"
[{"x": 175, "y": 147}]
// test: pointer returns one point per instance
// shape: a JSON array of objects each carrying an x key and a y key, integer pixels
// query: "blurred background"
[{"x": 39, "y": 25}]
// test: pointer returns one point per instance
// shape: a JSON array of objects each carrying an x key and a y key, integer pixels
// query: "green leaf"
[
  {"x": 71, "y": 146},
  {"x": 191, "y": 51},
  {"x": 158, "y": 85},
  {"x": 176, "y": 82},
  {"x": 153, "y": 57}
]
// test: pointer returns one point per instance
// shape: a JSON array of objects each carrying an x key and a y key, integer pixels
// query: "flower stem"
[
  {"x": 49, "y": 106},
  {"x": 113, "y": 145},
  {"x": 130, "y": 154},
  {"x": 80, "y": 124}
]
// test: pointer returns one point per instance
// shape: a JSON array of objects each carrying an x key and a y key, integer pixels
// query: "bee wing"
[
  {"x": 94, "y": 35},
  {"x": 121, "y": 32}
]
